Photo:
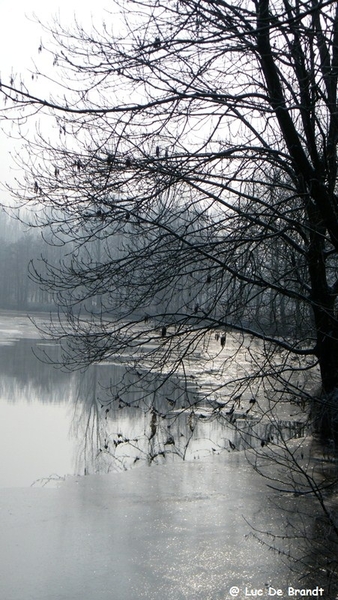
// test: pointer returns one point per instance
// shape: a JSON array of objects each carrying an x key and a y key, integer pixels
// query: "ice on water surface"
[
  {"x": 170, "y": 532},
  {"x": 180, "y": 531}
]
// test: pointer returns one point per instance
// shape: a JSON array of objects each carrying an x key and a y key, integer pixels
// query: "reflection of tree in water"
[
  {"x": 127, "y": 416},
  {"x": 124, "y": 417},
  {"x": 157, "y": 426},
  {"x": 86, "y": 423},
  {"x": 26, "y": 373},
  {"x": 132, "y": 415},
  {"x": 136, "y": 426}
]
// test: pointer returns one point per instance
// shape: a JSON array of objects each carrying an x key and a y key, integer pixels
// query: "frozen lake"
[
  {"x": 35, "y": 402},
  {"x": 55, "y": 423},
  {"x": 172, "y": 532},
  {"x": 175, "y": 531}
]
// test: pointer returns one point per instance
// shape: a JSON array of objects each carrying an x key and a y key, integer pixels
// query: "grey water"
[
  {"x": 186, "y": 529},
  {"x": 34, "y": 408},
  {"x": 55, "y": 423}
]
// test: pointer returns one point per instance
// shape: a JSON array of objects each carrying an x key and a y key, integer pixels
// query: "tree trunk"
[{"x": 326, "y": 325}]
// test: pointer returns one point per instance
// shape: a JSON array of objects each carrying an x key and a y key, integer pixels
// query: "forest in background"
[{"x": 20, "y": 245}]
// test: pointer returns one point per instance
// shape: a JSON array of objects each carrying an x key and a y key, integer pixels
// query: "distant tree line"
[
  {"x": 25, "y": 254},
  {"x": 19, "y": 246}
]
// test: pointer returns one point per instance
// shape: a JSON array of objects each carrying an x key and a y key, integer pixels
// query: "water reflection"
[
  {"x": 117, "y": 418},
  {"x": 34, "y": 416},
  {"x": 24, "y": 377},
  {"x": 123, "y": 423}
]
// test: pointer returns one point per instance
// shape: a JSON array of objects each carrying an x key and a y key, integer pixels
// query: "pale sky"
[{"x": 20, "y": 39}]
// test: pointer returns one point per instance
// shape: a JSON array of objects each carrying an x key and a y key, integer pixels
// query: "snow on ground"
[{"x": 172, "y": 532}]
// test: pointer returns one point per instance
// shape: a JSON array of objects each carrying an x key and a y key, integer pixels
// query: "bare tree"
[
  {"x": 192, "y": 174},
  {"x": 200, "y": 142}
]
